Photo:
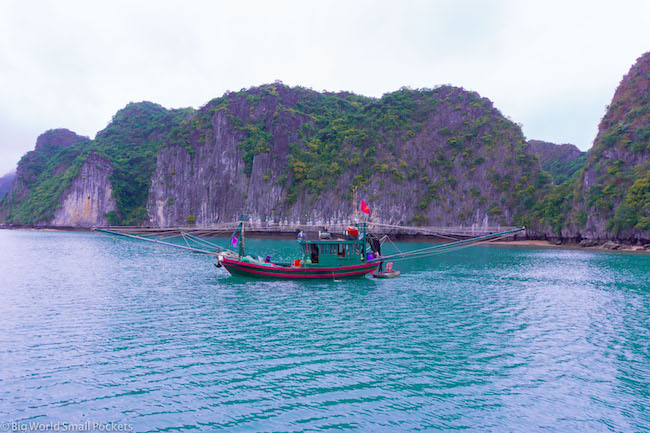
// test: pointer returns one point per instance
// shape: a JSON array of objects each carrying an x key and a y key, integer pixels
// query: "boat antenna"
[{"x": 355, "y": 206}]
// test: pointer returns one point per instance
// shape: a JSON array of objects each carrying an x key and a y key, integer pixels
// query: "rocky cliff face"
[
  {"x": 131, "y": 142},
  {"x": 41, "y": 173},
  {"x": 616, "y": 180},
  {"x": 54, "y": 181},
  {"x": 610, "y": 197},
  {"x": 440, "y": 157},
  {"x": 90, "y": 197},
  {"x": 436, "y": 157},
  {"x": 33, "y": 164},
  {"x": 212, "y": 185},
  {"x": 215, "y": 184}
]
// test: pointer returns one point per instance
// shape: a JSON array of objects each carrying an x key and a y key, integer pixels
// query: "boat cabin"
[{"x": 328, "y": 252}]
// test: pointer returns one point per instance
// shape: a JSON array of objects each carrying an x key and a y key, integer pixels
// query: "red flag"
[{"x": 364, "y": 207}]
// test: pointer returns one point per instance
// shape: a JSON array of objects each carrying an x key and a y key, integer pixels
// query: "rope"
[
  {"x": 420, "y": 253},
  {"x": 153, "y": 247},
  {"x": 393, "y": 243},
  {"x": 445, "y": 249},
  {"x": 212, "y": 253},
  {"x": 205, "y": 243},
  {"x": 437, "y": 249}
]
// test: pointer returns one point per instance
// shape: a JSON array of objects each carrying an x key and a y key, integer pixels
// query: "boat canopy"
[{"x": 327, "y": 252}]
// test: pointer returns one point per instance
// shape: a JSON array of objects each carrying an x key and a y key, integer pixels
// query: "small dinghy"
[{"x": 389, "y": 272}]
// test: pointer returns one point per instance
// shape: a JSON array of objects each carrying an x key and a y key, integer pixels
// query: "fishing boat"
[{"x": 352, "y": 255}]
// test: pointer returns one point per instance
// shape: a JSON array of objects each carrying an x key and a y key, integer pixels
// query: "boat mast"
[{"x": 241, "y": 244}]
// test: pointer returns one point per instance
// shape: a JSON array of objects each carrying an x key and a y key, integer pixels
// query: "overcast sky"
[{"x": 552, "y": 66}]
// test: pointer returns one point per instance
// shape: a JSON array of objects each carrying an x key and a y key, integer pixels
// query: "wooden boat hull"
[{"x": 236, "y": 267}]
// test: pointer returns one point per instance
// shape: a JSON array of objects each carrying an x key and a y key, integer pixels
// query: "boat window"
[
  {"x": 356, "y": 249},
  {"x": 333, "y": 250},
  {"x": 341, "y": 250}
]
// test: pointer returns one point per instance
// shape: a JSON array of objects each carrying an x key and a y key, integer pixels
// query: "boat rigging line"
[
  {"x": 444, "y": 248},
  {"x": 170, "y": 244},
  {"x": 213, "y": 249}
]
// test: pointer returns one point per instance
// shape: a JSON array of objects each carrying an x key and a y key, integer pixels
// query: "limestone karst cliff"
[
  {"x": 610, "y": 197},
  {"x": 41, "y": 177},
  {"x": 443, "y": 156},
  {"x": 561, "y": 161},
  {"x": 615, "y": 186},
  {"x": 90, "y": 196},
  {"x": 440, "y": 157}
]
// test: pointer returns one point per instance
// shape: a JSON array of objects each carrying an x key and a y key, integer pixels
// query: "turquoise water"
[{"x": 484, "y": 339}]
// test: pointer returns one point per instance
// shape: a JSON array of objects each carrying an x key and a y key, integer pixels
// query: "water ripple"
[{"x": 488, "y": 339}]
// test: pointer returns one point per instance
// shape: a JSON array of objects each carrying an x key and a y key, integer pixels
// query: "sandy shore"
[
  {"x": 544, "y": 243},
  {"x": 529, "y": 242}
]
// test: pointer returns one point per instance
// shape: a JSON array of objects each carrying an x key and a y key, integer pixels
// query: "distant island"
[
  {"x": 5, "y": 183},
  {"x": 427, "y": 157}
]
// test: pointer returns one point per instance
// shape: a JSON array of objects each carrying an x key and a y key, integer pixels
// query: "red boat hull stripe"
[
  {"x": 251, "y": 265},
  {"x": 298, "y": 272}
]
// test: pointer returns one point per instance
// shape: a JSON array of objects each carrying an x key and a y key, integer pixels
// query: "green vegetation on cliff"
[
  {"x": 422, "y": 138},
  {"x": 442, "y": 156},
  {"x": 615, "y": 181},
  {"x": 634, "y": 210},
  {"x": 451, "y": 147},
  {"x": 609, "y": 196},
  {"x": 561, "y": 161},
  {"x": 130, "y": 142},
  {"x": 42, "y": 176}
]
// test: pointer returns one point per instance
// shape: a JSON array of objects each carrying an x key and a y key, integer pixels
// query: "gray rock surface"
[{"x": 89, "y": 197}]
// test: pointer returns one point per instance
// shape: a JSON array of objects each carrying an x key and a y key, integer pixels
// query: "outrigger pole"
[
  {"x": 140, "y": 238},
  {"x": 463, "y": 243},
  {"x": 399, "y": 256}
]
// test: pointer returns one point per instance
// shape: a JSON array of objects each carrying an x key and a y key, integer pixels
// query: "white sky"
[{"x": 550, "y": 65}]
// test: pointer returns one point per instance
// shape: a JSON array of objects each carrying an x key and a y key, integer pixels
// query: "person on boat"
[
  {"x": 267, "y": 259},
  {"x": 375, "y": 245},
  {"x": 301, "y": 235}
]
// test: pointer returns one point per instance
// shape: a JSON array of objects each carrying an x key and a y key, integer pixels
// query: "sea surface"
[{"x": 490, "y": 338}]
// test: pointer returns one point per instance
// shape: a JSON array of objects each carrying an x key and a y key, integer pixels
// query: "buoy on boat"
[{"x": 389, "y": 272}]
